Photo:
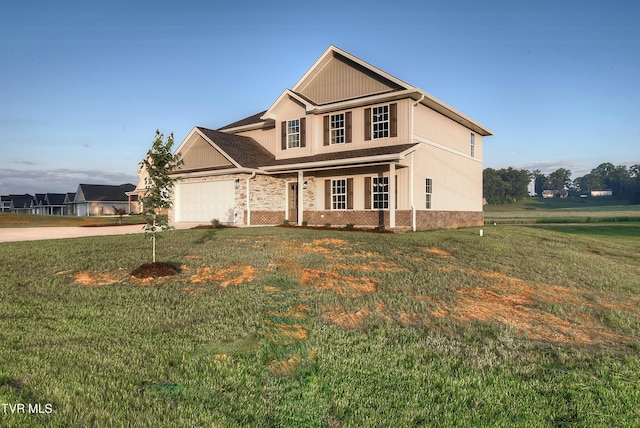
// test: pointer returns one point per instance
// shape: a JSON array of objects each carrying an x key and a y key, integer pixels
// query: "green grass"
[
  {"x": 41, "y": 220},
  {"x": 526, "y": 326},
  {"x": 570, "y": 210}
]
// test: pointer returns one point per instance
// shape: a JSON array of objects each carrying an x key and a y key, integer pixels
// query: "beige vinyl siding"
[
  {"x": 358, "y": 127},
  {"x": 338, "y": 79},
  {"x": 435, "y": 127},
  {"x": 457, "y": 180},
  {"x": 200, "y": 154},
  {"x": 268, "y": 138},
  {"x": 289, "y": 109}
]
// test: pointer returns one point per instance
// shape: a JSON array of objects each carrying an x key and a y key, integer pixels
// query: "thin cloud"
[{"x": 56, "y": 180}]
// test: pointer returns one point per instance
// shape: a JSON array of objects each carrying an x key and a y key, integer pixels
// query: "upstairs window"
[
  {"x": 293, "y": 133},
  {"x": 337, "y": 128},
  {"x": 473, "y": 145},
  {"x": 380, "y": 122}
]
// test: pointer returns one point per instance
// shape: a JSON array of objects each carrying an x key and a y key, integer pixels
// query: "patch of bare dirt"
[
  {"x": 285, "y": 367},
  {"x": 346, "y": 286},
  {"x": 95, "y": 279},
  {"x": 155, "y": 270},
  {"x": 512, "y": 301},
  {"x": 232, "y": 275},
  {"x": 437, "y": 251},
  {"x": 346, "y": 320}
]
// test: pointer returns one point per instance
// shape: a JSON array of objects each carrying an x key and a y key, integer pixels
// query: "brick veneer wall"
[{"x": 425, "y": 220}]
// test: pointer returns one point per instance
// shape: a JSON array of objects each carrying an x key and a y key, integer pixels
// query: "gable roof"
[
  {"x": 54, "y": 198},
  {"x": 21, "y": 201},
  {"x": 331, "y": 78},
  {"x": 104, "y": 192},
  {"x": 329, "y": 85}
]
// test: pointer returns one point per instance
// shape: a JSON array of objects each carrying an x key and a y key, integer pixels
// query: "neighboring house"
[
  {"x": 348, "y": 144},
  {"x": 54, "y": 204},
  {"x": 100, "y": 199},
  {"x": 601, "y": 192},
  {"x": 5, "y": 203},
  {"x": 19, "y": 203},
  {"x": 36, "y": 203},
  {"x": 70, "y": 208},
  {"x": 561, "y": 193}
]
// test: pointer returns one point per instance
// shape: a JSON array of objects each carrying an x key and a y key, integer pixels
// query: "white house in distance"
[
  {"x": 347, "y": 144},
  {"x": 102, "y": 199}
]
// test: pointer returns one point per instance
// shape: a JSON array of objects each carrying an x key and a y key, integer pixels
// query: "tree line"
[{"x": 508, "y": 185}]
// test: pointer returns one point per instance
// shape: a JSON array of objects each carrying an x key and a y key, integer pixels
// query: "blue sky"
[{"x": 85, "y": 84}]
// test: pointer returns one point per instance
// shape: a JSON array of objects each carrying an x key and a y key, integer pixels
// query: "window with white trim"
[
  {"x": 473, "y": 145},
  {"x": 337, "y": 127},
  {"x": 293, "y": 133},
  {"x": 428, "y": 192},
  {"x": 380, "y": 193},
  {"x": 380, "y": 122},
  {"x": 339, "y": 194}
]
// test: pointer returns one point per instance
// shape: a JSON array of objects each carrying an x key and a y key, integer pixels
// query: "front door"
[{"x": 293, "y": 202}]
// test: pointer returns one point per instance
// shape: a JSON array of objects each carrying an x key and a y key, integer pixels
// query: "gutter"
[
  {"x": 411, "y": 184},
  {"x": 253, "y": 175},
  {"x": 339, "y": 162}
]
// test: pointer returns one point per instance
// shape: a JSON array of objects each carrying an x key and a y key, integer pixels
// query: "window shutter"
[
  {"x": 283, "y": 129},
  {"x": 393, "y": 119},
  {"x": 367, "y": 193},
  {"x": 327, "y": 194},
  {"x": 303, "y": 132},
  {"x": 367, "y": 124},
  {"x": 326, "y": 130},
  {"x": 347, "y": 126},
  {"x": 349, "y": 193}
]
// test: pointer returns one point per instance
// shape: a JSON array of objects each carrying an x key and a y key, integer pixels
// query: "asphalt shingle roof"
[
  {"x": 246, "y": 121},
  {"x": 249, "y": 154},
  {"x": 244, "y": 150},
  {"x": 106, "y": 192}
]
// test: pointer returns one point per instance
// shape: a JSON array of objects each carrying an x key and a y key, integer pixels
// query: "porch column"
[
  {"x": 300, "y": 197},
  {"x": 392, "y": 195}
]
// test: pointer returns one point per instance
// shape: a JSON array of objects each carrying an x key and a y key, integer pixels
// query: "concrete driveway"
[{"x": 13, "y": 234}]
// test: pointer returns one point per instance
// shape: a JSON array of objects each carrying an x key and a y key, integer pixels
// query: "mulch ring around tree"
[{"x": 155, "y": 270}]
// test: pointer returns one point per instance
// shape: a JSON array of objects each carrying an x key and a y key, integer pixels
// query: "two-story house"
[{"x": 348, "y": 144}]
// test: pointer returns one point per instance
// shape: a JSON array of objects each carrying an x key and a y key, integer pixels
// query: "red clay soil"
[{"x": 154, "y": 270}]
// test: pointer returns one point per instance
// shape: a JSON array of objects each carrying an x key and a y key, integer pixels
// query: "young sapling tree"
[{"x": 159, "y": 184}]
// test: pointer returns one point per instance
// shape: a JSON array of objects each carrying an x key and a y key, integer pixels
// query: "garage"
[{"x": 206, "y": 200}]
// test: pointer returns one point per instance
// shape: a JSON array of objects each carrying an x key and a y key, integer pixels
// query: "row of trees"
[{"x": 508, "y": 185}]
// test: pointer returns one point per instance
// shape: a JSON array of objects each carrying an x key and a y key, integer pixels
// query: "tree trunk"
[{"x": 153, "y": 241}]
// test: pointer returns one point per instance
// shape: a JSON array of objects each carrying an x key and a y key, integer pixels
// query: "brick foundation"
[{"x": 425, "y": 220}]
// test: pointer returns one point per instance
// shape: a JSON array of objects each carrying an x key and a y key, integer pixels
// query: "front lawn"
[{"x": 287, "y": 327}]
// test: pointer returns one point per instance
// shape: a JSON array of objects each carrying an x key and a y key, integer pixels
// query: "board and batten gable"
[{"x": 336, "y": 78}]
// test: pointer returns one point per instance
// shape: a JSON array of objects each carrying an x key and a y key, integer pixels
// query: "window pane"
[{"x": 380, "y": 192}]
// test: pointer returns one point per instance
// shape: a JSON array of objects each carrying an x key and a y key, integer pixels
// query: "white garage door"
[{"x": 205, "y": 201}]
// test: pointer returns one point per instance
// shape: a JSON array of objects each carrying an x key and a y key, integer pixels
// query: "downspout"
[
  {"x": 253, "y": 175},
  {"x": 411, "y": 184}
]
